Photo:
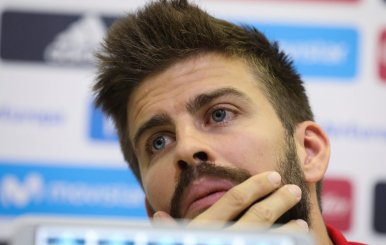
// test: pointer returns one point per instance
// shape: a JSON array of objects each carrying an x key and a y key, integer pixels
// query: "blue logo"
[
  {"x": 12, "y": 115},
  {"x": 329, "y": 52},
  {"x": 40, "y": 189},
  {"x": 101, "y": 127},
  {"x": 351, "y": 130}
]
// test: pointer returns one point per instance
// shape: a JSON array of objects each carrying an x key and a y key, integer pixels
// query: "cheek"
[
  {"x": 250, "y": 151},
  {"x": 159, "y": 187}
]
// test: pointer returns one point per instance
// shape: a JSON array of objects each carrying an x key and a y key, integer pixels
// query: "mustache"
[
  {"x": 208, "y": 169},
  {"x": 288, "y": 165}
]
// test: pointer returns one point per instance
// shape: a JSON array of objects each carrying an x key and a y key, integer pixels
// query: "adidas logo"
[{"x": 78, "y": 43}]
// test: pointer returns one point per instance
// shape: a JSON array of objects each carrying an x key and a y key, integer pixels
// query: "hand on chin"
[{"x": 259, "y": 201}]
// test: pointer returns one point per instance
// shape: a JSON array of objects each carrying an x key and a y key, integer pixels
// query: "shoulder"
[{"x": 338, "y": 238}]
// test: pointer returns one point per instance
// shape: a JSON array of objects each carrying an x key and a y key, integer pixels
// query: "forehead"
[
  {"x": 171, "y": 88},
  {"x": 209, "y": 69}
]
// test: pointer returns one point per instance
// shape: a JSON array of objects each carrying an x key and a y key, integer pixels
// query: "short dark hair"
[{"x": 168, "y": 31}]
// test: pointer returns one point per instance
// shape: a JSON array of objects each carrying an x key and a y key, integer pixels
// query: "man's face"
[{"x": 205, "y": 126}]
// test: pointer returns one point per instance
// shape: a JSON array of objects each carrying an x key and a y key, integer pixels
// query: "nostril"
[
  {"x": 202, "y": 156},
  {"x": 182, "y": 165}
]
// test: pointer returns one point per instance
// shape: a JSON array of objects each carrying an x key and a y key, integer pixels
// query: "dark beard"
[{"x": 288, "y": 167}]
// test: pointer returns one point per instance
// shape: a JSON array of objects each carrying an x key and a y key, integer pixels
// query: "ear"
[
  {"x": 313, "y": 150},
  {"x": 149, "y": 210}
]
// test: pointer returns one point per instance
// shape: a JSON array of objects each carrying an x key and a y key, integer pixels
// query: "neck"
[{"x": 318, "y": 227}]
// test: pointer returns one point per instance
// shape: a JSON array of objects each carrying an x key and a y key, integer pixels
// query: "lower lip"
[{"x": 203, "y": 203}]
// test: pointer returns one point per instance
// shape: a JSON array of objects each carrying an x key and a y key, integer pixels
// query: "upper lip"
[{"x": 201, "y": 188}]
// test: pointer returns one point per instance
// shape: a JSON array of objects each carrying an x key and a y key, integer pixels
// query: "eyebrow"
[
  {"x": 192, "y": 107},
  {"x": 203, "y": 99}
]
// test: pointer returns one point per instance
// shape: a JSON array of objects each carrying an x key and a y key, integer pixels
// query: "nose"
[
  {"x": 193, "y": 148},
  {"x": 198, "y": 157}
]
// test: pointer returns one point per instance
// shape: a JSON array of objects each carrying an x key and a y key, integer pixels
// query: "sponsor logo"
[
  {"x": 382, "y": 56},
  {"x": 77, "y": 43},
  {"x": 64, "y": 190},
  {"x": 20, "y": 193},
  {"x": 318, "y": 51},
  {"x": 101, "y": 127},
  {"x": 355, "y": 131},
  {"x": 337, "y": 203},
  {"x": 379, "y": 207},
  {"x": 55, "y": 38},
  {"x": 38, "y": 117},
  {"x": 322, "y": 1}
]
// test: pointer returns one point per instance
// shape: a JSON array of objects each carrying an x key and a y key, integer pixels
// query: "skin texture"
[{"x": 236, "y": 128}]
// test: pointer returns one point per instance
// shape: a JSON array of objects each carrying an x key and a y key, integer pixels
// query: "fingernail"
[
  {"x": 303, "y": 224},
  {"x": 295, "y": 190},
  {"x": 274, "y": 178},
  {"x": 157, "y": 216}
]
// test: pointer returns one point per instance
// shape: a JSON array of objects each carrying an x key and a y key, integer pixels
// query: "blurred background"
[{"x": 59, "y": 156}]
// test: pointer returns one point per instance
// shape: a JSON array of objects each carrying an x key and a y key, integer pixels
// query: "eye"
[
  {"x": 158, "y": 143},
  {"x": 219, "y": 115}
]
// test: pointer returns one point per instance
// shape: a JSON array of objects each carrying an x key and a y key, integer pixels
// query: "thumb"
[{"x": 161, "y": 217}]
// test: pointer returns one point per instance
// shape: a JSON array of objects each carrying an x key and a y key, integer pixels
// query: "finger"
[
  {"x": 293, "y": 226},
  {"x": 163, "y": 218},
  {"x": 239, "y": 198},
  {"x": 267, "y": 211}
]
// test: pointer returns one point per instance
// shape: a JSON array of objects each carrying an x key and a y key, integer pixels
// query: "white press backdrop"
[{"x": 54, "y": 147}]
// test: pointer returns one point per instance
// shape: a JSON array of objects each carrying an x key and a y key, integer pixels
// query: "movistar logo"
[{"x": 20, "y": 193}]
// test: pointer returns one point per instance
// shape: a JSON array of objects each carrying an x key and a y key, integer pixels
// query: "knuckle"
[
  {"x": 236, "y": 197},
  {"x": 264, "y": 214},
  {"x": 262, "y": 185},
  {"x": 257, "y": 181}
]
